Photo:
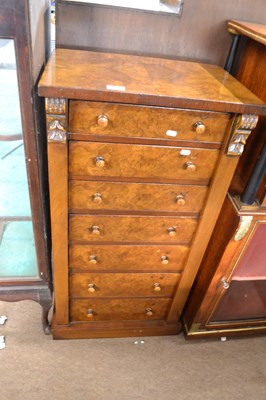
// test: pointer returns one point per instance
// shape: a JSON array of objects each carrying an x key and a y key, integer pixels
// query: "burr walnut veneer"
[{"x": 141, "y": 153}]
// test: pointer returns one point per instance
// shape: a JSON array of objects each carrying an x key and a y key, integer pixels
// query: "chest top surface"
[
  {"x": 86, "y": 75},
  {"x": 249, "y": 29}
]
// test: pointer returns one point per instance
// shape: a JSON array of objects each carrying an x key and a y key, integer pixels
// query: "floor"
[{"x": 36, "y": 367}]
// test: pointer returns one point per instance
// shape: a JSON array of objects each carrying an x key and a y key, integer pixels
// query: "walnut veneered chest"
[{"x": 141, "y": 152}]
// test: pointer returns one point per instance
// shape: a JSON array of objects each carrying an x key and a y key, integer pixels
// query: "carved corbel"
[
  {"x": 56, "y": 120},
  {"x": 245, "y": 222},
  {"x": 243, "y": 126},
  {"x": 56, "y": 131}
]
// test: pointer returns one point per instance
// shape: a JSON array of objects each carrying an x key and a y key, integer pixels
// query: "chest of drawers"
[{"x": 141, "y": 152}]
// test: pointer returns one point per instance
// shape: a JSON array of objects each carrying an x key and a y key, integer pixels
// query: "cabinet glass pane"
[
  {"x": 246, "y": 296},
  {"x": 17, "y": 247}
]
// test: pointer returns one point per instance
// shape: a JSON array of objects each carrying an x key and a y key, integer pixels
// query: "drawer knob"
[
  {"x": 100, "y": 162},
  {"x": 199, "y": 127},
  {"x": 180, "y": 200},
  {"x": 90, "y": 312},
  {"x": 93, "y": 259},
  {"x": 95, "y": 230},
  {"x": 91, "y": 288},
  {"x": 190, "y": 166},
  {"x": 164, "y": 260},
  {"x": 102, "y": 121},
  {"x": 97, "y": 198},
  {"x": 172, "y": 231},
  {"x": 157, "y": 287},
  {"x": 149, "y": 312}
]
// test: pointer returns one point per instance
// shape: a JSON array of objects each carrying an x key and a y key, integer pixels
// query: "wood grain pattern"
[
  {"x": 127, "y": 258},
  {"x": 145, "y": 122},
  {"x": 131, "y": 228},
  {"x": 77, "y": 74},
  {"x": 217, "y": 193},
  {"x": 118, "y": 309},
  {"x": 135, "y": 197},
  {"x": 198, "y": 308},
  {"x": 114, "y": 329},
  {"x": 57, "y": 158},
  {"x": 123, "y": 284},
  {"x": 138, "y": 161}
]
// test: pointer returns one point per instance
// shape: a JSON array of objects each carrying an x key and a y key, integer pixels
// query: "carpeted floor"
[{"x": 35, "y": 367}]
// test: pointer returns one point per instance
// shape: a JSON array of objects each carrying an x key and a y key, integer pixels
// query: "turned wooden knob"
[
  {"x": 190, "y": 166},
  {"x": 93, "y": 259},
  {"x": 91, "y": 288},
  {"x": 164, "y": 260},
  {"x": 172, "y": 231},
  {"x": 97, "y": 198},
  {"x": 199, "y": 127},
  {"x": 90, "y": 312},
  {"x": 95, "y": 230},
  {"x": 102, "y": 121},
  {"x": 157, "y": 287},
  {"x": 149, "y": 312},
  {"x": 100, "y": 162},
  {"x": 180, "y": 200}
]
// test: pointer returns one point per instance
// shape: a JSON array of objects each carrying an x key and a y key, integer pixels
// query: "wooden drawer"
[
  {"x": 126, "y": 257},
  {"x": 91, "y": 195},
  {"x": 123, "y": 284},
  {"x": 91, "y": 118},
  {"x": 98, "y": 228},
  {"x": 138, "y": 161},
  {"x": 118, "y": 309}
]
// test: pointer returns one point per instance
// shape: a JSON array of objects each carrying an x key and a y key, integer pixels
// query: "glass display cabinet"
[
  {"x": 24, "y": 247},
  {"x": 229, "y": 294}
]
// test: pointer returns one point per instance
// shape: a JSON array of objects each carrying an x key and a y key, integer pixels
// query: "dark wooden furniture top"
[
  {"x": 160, "y": 82},
  {"x": 253, "y": 31}
]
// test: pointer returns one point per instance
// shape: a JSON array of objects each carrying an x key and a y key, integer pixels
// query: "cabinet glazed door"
[
  {"x": 17, "y": 248},
  {"x": 24, "y": 242},
  {"x": 245, "y": 297}
]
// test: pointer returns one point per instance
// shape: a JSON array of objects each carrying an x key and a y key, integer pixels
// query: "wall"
[{"x": 199, "y": 34}]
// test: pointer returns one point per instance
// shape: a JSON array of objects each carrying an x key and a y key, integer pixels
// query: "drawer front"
[
  {"x": 137, "y": 161},
  {"x": 91, "y": 195},
  {"x": 97, "y": 228},
  {"x": 91, "y": 118},
  {"x": 126, "y": 257},
  {"x": 90, "y": 310},
  {"x": 123, "y": 284}
]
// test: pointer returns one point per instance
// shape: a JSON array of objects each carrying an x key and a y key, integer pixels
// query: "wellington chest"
[{"x": 141, "y": 152}]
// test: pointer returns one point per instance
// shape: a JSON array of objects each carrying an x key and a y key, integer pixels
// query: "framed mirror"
[{"x": 159, "y": 6}]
